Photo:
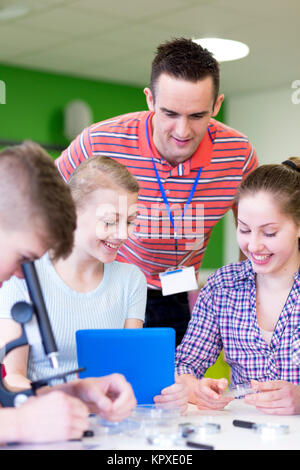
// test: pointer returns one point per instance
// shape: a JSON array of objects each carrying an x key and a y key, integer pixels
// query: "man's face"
[
  {"x": 182, "y": 113},
  {"x": 17, "y": 247}
]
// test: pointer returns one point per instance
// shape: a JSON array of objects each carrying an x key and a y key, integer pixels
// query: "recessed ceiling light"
[
  {"x": 224, "y": 49},
  {"x": 13, "y": 11}
]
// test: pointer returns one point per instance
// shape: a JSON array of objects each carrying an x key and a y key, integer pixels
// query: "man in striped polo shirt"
[{"x": 188, "y": 166}]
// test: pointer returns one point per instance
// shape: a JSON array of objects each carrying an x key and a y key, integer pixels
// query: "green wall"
[
  {"x": 35, "y": 102},
  {"x": 34, "y": 110},
  {"x": 214, "y": 255}
]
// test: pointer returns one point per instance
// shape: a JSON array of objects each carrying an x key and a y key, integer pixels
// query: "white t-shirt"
[{"x": 120, "y": 295}]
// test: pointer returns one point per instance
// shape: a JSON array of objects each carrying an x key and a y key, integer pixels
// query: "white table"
[{"x": 229, "y": 438}]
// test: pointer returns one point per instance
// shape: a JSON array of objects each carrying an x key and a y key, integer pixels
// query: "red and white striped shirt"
[{"x": 226, "y": 156}]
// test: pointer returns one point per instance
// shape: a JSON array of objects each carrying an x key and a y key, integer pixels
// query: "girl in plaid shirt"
[{"x": 252, "y": 308}]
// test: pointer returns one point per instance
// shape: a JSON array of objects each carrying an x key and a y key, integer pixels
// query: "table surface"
[{"x": 229, "y": 437}]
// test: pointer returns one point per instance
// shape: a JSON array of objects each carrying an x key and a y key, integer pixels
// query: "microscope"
[{"x": 36, "y": 332}]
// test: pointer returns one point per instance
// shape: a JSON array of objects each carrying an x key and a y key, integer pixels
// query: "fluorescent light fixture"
[
  {"x": 13, "y": 11},
  {"x": 224, "y": 49}
]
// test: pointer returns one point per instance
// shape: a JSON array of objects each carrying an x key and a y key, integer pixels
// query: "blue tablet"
[{"x": 146, "y": 357}]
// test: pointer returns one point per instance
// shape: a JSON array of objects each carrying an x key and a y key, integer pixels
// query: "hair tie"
[{"x": 291, "y": 165}]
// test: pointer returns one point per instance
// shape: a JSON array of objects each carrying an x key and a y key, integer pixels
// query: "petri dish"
[
  {"x": 202, "y": 429},
  {"x": 156, "y": 419},
  {"x": 158, "y": 413},
  {"x": 207, "y": 427},
  {"x": 103, "y": 426},
  {"x": 240, "y": 390},
  {"x": 165, "y": 440},
  {"x": 271, "y": 429}
]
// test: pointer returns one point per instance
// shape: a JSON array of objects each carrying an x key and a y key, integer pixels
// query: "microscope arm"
[
  {"x": 16, "y": 343},
  {"x": 32, "y": 317},
  {"x": 9, "y": 397}
]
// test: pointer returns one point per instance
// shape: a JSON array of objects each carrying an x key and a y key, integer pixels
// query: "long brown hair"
[{"x": 282, "y": 181}]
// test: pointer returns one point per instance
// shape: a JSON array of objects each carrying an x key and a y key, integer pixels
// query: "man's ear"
[
  {"x": 217, "y": 105},
  {"x": 149, "y": 99}
]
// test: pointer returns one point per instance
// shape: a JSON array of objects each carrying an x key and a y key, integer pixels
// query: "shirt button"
[{"x": 167, "y": 191}]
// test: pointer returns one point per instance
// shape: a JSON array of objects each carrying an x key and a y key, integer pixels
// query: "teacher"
[{"x": 188, "y": 166}]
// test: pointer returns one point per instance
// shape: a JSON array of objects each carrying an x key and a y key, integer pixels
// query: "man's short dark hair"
[{"x": 183, "y": 58}]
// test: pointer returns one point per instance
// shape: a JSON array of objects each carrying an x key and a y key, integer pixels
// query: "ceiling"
[{"x": 116, "y": 41}]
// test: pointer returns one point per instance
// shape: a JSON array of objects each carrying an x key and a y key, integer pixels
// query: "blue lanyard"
[{"x": 163, "y": 191}]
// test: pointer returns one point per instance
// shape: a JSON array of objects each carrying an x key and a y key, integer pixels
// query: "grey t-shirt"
[{"x": 120, "y": 295}]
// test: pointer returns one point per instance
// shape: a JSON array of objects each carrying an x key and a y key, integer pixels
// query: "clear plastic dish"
[
  {"x": 144, "y": 420},
  {"x": 156, "y": 419},
  {"x": 271, "y": 429},
  {"x": 102, "y": 426},
  {"x": 162, "y": 414},
  {"x": 240, "y": 390},
  {"x": 208, "y": 428},
  {"x": 165, "y": 440},
  {"x": 204, "y": 428}
]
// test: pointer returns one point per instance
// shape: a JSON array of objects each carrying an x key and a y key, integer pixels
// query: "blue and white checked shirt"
[{"x": 224, "y": 316}]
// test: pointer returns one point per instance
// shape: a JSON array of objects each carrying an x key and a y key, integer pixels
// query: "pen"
[
  {"x": 198, "y": 445},
  {"x": 87, "y": 433},
  {"x": 263, "y": 428},
  {"x": 244, "y": 424}
]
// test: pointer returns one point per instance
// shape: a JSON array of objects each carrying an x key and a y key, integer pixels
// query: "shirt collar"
[
  {"x": 297, "y": 277},
  {"x": 246, "y": 272},
  {"x": 203, "y": 155}
]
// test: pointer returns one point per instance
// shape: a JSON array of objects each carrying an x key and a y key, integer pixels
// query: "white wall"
[{"x": 271, "y": 120}]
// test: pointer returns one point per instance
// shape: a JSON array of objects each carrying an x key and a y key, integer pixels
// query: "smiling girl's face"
[
  {"x": 266, "y": 236},
  {"x": 105, "y": 222}
]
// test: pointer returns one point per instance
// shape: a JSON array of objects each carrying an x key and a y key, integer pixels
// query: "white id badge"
[{"x": 182, "y": 279}]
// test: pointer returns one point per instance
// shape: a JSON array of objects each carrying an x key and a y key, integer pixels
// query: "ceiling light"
[
  {"x": 224, "y": 49},
  {"x": 8, "y": 12}
]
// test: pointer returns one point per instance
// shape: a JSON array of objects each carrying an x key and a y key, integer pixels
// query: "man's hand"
[
  {"x": 175, "y": 395},
  {"x": 276, "y": 397},
  {"x": 208, "y": 394}
]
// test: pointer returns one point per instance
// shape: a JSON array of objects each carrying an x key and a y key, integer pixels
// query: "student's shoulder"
[
  {"x": 232, "y": 276},
  {"x": 44, "y": 265}
]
